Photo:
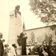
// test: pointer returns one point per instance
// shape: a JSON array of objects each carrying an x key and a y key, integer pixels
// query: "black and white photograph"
[{"x": 27, "y": 27}]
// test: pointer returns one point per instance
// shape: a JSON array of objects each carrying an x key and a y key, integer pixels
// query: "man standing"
[{"x": 1, "y": 46}]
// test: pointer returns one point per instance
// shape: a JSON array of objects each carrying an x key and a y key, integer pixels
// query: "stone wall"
[{"x": 39, "y": 34}]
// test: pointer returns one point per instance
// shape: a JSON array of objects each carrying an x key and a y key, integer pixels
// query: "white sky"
[{"x": 8, "y": 5}]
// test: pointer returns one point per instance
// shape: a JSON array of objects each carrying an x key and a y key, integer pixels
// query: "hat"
[{"x": 14, "y": 45}]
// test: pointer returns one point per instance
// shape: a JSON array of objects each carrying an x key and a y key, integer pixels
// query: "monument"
[{"x": 15, "y": 25}]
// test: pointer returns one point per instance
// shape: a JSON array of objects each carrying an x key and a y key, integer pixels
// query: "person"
[
  {"x": 6, "y": 50},
  {"x": 13, "y": 52},
  {"x": 44, "y": 53},
  {"x": 40, "y": 50},
  {"x": 15, "y": 48},
  {"x": 1, "y": 45},
  {"x": 3, "y": 41},
  {"x": 29, "y": 51}
]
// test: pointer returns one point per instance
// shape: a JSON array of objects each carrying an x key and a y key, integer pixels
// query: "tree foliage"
[
  {"x": 45, "y": 9},
  {"x": 48, "y": 39}
]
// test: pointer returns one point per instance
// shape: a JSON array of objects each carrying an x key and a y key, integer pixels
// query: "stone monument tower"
[{"x": 15, "y": 25}]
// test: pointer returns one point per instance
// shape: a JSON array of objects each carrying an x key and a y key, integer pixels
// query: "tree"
[
  {"x": 48, "y": 39},
  {"x": 45, "y": 9}
]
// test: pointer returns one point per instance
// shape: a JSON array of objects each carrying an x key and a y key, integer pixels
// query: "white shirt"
[
  {"x": 45, "y": 53},
  {"x": 12, "y": 52}
]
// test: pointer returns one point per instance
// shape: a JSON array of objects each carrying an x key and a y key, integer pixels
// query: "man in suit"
[{"x": 1, "y": 45}]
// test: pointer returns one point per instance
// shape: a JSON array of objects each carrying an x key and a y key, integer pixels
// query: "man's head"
[
  {"x": 14, "y": 45},
  {"x": 17, "y": 7},
  {"x": 1, "y": 35},
  {"x": 6, "y": 45}
]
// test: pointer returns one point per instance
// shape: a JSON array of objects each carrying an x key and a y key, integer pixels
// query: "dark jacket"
[{"x": 1, "y": 48}]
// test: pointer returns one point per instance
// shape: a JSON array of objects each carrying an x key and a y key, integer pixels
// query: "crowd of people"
[
  {"x": 43, "y": 50},
  {"x": 47, "y": 48},
  {"x": 10, "y": 51},
  {"x": 6, "y": 50}
]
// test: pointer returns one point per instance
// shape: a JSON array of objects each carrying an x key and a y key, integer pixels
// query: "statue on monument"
[{"x": 17, "y": 8}]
